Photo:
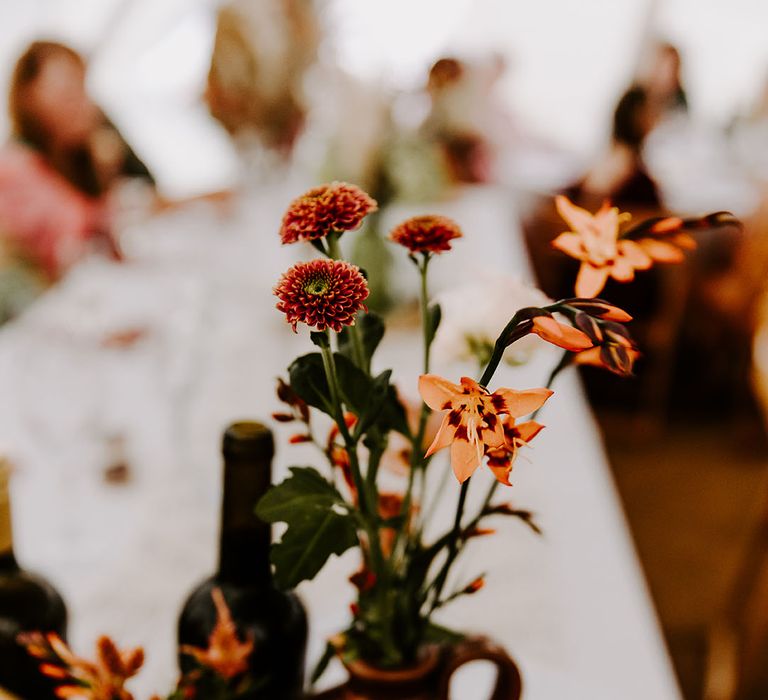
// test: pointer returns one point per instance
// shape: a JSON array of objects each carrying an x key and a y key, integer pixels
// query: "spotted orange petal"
[
  {"x": 502, "y": 474},
  {"x": 465, "y": 458},
  {"x": 444, "y": 436},
  {"x": 436, "y": 391},
  {"x": 529, "y": 430},
  {"x": 521, "y": 403}
]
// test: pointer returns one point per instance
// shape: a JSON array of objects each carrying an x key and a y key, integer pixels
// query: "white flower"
[{"x": 473, "y": 316}]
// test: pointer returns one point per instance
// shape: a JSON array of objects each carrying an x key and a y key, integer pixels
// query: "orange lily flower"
[
  {"x": 594, "y": 240},
  {"x": 226, "y": 654},
  {"x": 501, "y": 459},
  {"x": 473, "y": 423}
]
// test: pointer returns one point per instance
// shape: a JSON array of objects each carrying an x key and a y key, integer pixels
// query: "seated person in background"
[
  {"x": 621, "y": 175},
  {"x": 62, "y": 161}
]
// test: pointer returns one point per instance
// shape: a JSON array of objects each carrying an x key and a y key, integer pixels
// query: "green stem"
[
  {"x": 453, "y": 547},
  {"x": 366, "y": 503},
  {"x": 334, "y": 249},
  {"x": 417, "y": 445}
]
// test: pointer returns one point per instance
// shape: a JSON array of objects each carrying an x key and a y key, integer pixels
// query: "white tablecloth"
[{"x": 571, "y": 607}]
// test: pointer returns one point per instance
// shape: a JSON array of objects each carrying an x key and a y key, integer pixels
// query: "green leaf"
[
  {"x": 393, "y": 414},
  {"x": 320, "y": 523},
  {"x": 441, "y": 635},
  {"x": 328, "y": 654},
  {"x": 434, "y": 316},
  {"x": 371, "y": 329},
  {"x": 307, "y": 378},
  {"x": 320, "y": 339},
  {"x": 372, "y": 400}
]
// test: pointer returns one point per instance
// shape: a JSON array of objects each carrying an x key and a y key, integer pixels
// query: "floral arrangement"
[{"x": 404, "y": 579}]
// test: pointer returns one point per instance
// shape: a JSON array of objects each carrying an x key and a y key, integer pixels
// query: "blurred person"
[
  {"x": 458, "y": 96},
  {"x": 62, "y": 161},
  {"x": 663, "y": 81},
  {"x": 621, "y": 175},
  {"x": 262, "y": 50}
]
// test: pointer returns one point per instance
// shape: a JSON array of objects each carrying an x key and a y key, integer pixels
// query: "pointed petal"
[
  {"x": 591, "y": 357},
  {"x": 444, "y": 436},
  {"x": 671, "y": 223},
  {"x": 683, "y": 240},
  {"x": 437, "y": 392},
  {"x": 502, "y": 474},
  {"x": 561, "y": 334},
  {"x": 635, "y": 255},
  {"x": 529, "y": 430},
  {"x": 661, "y": 251},
  {"x": 465, "y": 459},
  {"x": 591, "y": 280},
  {"x": 576, "y": 217},
  {"x": 570, "y": 243},
  {"x": 521, "y": 403},
  {"x": 622, "y": 270}
]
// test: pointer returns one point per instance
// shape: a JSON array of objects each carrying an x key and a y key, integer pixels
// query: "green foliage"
[
  {"x": 370, "y": 326},
  {"x": 320, "y": 523},
  {"x": 434, "y": 316},
  {"x": 372, "y": 399}
]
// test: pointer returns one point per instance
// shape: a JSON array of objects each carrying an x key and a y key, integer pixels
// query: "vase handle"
[{"x": 509, "y": 684}]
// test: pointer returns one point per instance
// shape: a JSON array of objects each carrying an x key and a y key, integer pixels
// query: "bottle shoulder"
[{"x": 31, "y": 602}]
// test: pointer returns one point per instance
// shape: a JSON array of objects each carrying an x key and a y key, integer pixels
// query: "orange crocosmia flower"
[
  {"x": 473, "y": 423},
  {"x": 560, "y": 334},
  {"x": 594, "y": 240},
  {"x": 501, "y": 459},
  {"x": 226, "y": 654}
]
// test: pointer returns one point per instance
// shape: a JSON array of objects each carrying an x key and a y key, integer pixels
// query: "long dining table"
[{"x": 571, "y": 606}]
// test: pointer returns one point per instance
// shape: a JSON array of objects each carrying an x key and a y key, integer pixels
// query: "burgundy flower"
[
  {"x": 426, "y": 234},
  {"x": 324, "y": 209},
  {"x": 322, "y": 293}
]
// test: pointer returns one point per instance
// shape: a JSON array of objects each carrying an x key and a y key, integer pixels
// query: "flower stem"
[
  {"x": 334, "y": 250},
  {"x": 418, "y": 442},
  {"x": 329, "y": 365},
  {"x": 366, "y": 500},
  {"x": 453, "y": 547}
]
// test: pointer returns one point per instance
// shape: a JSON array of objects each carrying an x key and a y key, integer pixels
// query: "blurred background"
[{"x": 150, "y": 147}]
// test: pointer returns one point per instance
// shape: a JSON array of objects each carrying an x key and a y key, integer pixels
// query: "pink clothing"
[{"x": 44, "y": 217}]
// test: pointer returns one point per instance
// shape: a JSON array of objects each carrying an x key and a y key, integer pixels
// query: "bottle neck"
[
  {"x": 7, "y": 558},
  {"x": 245, "y": 539}
]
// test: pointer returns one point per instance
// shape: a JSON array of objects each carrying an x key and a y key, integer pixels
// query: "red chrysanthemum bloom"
[
  {"x": 426, "y": 234},
  {"x": 338, "y": 206},
  {"x": 322, "y": 293}
]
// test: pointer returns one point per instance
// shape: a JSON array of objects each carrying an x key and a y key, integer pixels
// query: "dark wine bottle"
[
  {"x": 28, "y": 603},
  {"x": 275, "y": 620}
]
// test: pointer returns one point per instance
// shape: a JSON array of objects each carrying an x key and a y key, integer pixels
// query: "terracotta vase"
[{"x": 430, "y": 679}]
